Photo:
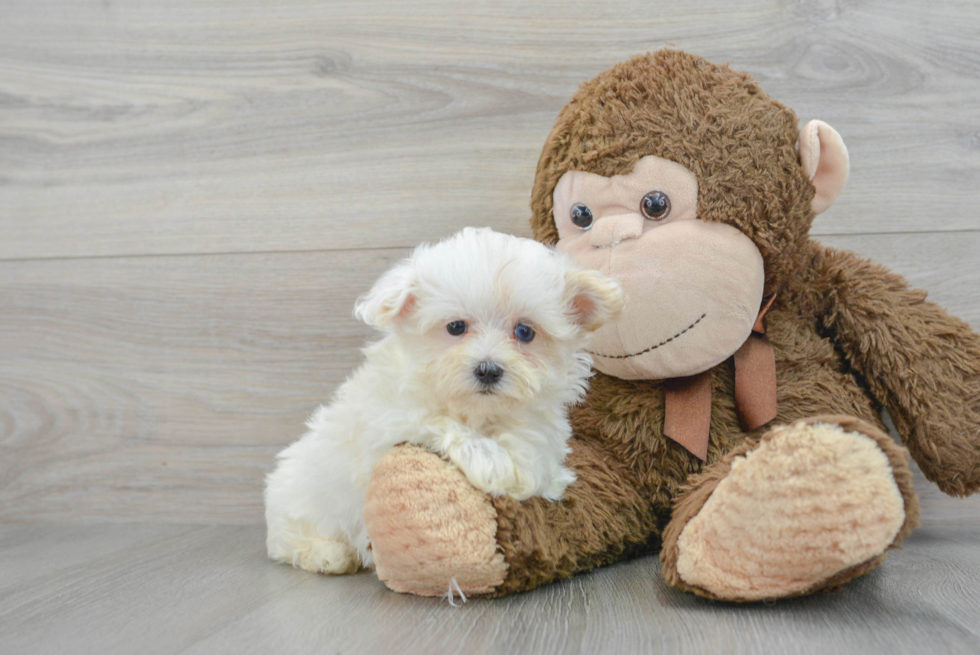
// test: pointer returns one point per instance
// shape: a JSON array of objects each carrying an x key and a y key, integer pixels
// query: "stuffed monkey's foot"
[
  {"x": 430, "y": 526},
  {"x": 811, "y": 506}
]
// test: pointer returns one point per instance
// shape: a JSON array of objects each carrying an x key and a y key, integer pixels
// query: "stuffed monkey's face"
[{"x": 693, "y": 289}]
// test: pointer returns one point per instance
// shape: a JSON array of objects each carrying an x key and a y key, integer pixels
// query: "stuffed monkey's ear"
[
  {"x": 389, "y": 299},
  {"x": 592, "y": 298},
  {"x": 823, "y": 157}
]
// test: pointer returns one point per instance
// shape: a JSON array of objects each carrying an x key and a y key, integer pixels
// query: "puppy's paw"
[
  {"x": 444, "y": 434},
  {"x": 305, "y": 549},
  {"x": 559, "y": 483},
  {"x": 333, "y": 556},
  {"x": 490, "y": 468}
]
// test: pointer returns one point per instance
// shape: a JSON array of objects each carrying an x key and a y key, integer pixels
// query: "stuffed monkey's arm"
[{"x": 917, "y": 360}]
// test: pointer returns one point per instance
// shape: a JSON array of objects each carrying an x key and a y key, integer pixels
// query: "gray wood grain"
[
  {"x": 158, "y": 128},
  {"x": 206, "y": 589},
  {"x": 160, "y": 388}
]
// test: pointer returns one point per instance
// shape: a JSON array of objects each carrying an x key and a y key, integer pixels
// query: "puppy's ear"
[
  {"x": 389, "y": 299},
  {"x": 592, "y": 298}
]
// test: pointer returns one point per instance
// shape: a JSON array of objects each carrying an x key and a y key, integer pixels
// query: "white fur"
[{"x": 417, "y": 385}]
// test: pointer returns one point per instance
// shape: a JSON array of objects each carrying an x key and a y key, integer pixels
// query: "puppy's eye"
[
  {"x": 581, "y": 216},
  {"x": 524, "y": 333},
  {"x": 655, "y": 205},
  {"x": 456, "y": 328}
]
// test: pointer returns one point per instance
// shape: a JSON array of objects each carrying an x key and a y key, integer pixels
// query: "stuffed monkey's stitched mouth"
[{"x": 643, "y": 352}]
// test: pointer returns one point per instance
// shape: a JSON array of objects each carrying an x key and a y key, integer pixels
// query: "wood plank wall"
[{"x": 193, "y": 193}]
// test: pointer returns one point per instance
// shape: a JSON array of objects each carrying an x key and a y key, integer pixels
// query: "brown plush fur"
[
  {"x": 739, "y": 143},
  {"x": 849, "y": 336},
  {"x": 914, "y": 358}
]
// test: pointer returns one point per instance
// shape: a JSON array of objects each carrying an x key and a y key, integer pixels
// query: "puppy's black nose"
[{"x": 488, "y": 373}]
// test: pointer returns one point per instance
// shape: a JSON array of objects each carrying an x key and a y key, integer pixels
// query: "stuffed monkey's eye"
[
  {"x": 581, "y": 216},
  {"x": 524, "y": 333},
  {"x": 655, "y": 205},
  {"x": 456, "y": 328}
]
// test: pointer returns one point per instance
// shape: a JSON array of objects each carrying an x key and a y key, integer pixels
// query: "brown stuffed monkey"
[{"x": 734, "y": 421}]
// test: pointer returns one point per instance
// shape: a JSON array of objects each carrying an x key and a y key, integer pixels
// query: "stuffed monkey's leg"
[
  {"x": 428, "y": 525},
  {"x": 808, "y": 507}
]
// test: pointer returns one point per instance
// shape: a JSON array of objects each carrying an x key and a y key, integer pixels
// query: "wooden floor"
[
  {"x": 192, "y": 194},
  {"x": 151, "y": 589}
]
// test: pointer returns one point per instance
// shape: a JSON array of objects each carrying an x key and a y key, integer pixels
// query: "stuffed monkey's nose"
[{"x": 610, "y": 230}]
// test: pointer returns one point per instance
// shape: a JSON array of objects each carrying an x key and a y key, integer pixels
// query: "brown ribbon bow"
[{"x": 687, "y": 400}]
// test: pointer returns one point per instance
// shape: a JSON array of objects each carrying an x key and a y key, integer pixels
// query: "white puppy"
[{"x": 482, "y": 356}]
